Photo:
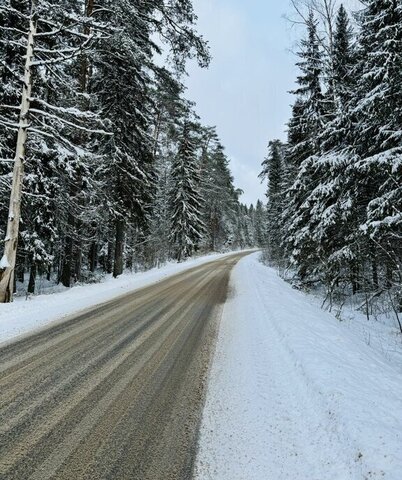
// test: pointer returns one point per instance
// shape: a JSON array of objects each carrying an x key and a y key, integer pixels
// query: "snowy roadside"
[
  {"x": 24, "y": 316},
  {"x": 294, "y": 393}
]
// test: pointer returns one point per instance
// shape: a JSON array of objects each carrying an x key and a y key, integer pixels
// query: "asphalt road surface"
[{"x": 117, "y": 391}]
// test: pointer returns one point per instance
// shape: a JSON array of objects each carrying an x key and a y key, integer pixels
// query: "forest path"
[{"x": 115, "y": 392}]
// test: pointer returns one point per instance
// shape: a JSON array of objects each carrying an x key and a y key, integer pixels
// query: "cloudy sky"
[{"x": 244, "y": 92}]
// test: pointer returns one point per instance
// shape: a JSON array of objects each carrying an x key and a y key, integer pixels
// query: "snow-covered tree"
[
  {"x": 378, "y": 136},
  {"x": 274, "y": 172},
  {"x": 260, "y": 224},
  {"x": 218, "y": 192},
  {"x": 47, "y": 39},
  {"x": 343, "y": 164},
  {"x": 187, "y": 227},
  {"x": 310, "y": 100}
]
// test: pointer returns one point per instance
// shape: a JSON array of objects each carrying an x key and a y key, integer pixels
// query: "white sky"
[{"x": 244, "y": 92}]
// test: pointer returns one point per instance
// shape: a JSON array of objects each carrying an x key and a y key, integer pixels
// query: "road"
[{"x": 115, "y": 392}]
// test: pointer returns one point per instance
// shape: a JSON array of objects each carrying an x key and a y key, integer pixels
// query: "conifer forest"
[
  {"x": 108, "y": 164},
  {"x": 200, "y": 239},
  {"x": 334, "y": 212},
  {"x": 110, "y": 168}
]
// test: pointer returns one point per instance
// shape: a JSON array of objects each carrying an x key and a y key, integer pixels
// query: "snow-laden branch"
[
  {"x": 9, "y": 125},
  {"x": 63, "y": 58},
  {"x": 65, "y": 110},
  {"x": 14, "y": 11},
  {"x": 71, "y": 124},
  {"x": 13, "y": 29}
]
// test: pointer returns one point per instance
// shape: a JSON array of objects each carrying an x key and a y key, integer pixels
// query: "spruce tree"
[
  {"x": 378, "y": 136},
  {"x": 305, "y": 129},
  {"x": 218, "y": 192},
  {"x": 187, "y": 226},
  {"x": 343, "y": 57},
  {"x": 260, "y": 225},
  {"x": 310, "y": 104},
  {"x": 273, "y": 171}
]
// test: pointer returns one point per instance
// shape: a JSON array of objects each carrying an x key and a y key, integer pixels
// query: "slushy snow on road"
[
  {"x": 293, "y": 394},
  {"x": 25, "y": 316}
]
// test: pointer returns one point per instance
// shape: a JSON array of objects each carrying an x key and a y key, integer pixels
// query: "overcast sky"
[{"x": 244, "y": 92}]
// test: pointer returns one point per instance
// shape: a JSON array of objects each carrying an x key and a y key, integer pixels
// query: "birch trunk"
[{"x": 8, "y": 261}]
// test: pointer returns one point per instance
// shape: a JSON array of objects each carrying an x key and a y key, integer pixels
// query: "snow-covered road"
[{"x": 292, "y": 395}]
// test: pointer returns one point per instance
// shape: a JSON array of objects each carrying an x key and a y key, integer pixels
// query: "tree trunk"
[
  {"x": 7, "y": 263},
  {"x": 156, "y": 133},
  {"x": 32, "y": 279},
  {"x": 374, "y": 269},
  {"x": 66, "y": 270},
  {"x": 109, "y": 260},
  {"x": 78, "y": 261},
  {"x": 93, "y": 256},
  {"x": 355, "y": 278},
  {"x": 388, "y": 275},
  {"x": 119, "y": 248},
  {"x": 21, "y": 273}
]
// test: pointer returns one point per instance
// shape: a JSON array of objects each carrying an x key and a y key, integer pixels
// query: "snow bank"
[
  {"x": 24, "y": 316},
  {"x": 294, "y": 393}
]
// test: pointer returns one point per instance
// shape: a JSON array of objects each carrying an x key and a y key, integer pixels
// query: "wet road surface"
[{"x": 115, "y": 392}]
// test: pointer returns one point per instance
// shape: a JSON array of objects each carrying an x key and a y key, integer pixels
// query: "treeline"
[
  {"x": 118, "y": 170},
  {"x": 335, "y": 188}
]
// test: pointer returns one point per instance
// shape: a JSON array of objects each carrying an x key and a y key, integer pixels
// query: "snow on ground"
[
  {"x": 294, "y": 393},
  {"x": 24, "y": 316}
]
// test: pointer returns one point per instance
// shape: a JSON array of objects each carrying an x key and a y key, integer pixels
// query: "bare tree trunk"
[{"x": 7, "y": 263}]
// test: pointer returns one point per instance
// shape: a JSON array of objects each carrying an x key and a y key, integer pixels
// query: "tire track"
[{"x": 116, "y": 391}]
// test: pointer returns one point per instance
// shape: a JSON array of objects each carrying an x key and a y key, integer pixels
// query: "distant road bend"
[{"x": 115, "y": 392}]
